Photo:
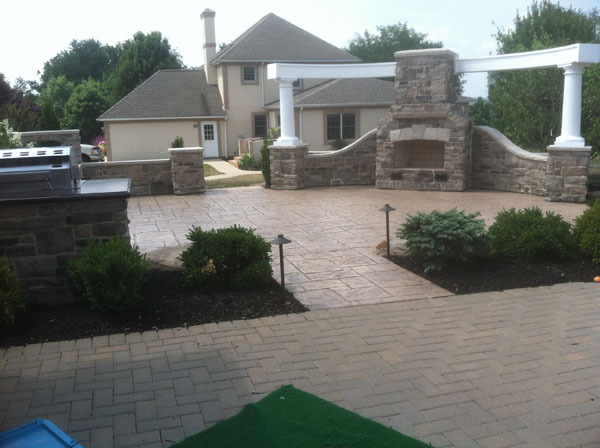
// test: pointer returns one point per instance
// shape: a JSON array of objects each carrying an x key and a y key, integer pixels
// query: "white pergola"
[{"x": 572, "y": 59}]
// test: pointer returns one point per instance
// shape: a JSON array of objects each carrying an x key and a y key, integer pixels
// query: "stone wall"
[
  {"x": 499, "y": 164},
  {"x": 293, "y": 167},
  {"x": 40, "y": 238},
  {"x": 183, "y": 173},
  {"x": 148, "y": 177},
  {"x": 567, "y": 173},
  {"x": 352, "y": 165},
  {"x": 561, "y": 174},
  {"x": 187, "y": 170}
]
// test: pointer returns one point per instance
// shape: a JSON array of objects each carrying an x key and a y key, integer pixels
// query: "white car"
[{"x": 90, "y": 153}]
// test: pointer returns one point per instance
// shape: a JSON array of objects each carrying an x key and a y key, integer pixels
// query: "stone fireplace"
[{"x": 425, "y": 142}]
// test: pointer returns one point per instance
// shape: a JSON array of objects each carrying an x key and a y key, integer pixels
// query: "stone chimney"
[{"x": 209, "y": 46}]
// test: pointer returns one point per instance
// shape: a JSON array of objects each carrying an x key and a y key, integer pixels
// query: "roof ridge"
[
  {"x": 242, "y": 36},
  {"x": 128, "y": 95}
]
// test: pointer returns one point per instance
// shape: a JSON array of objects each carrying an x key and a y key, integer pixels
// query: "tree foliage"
[
  {"x": 48, "y": 120},
  {"x": 82, "y": 60},
  {"x": 17, "y": 105},
  {"x": 481, "y": 112},
  {"x": 380, "y": 47},
  {"x": 141, "y": 57},
  {"x": 87, "y": 102},
  {"x": 527, "y": 105},
  {"x": 59, "y": 90}
]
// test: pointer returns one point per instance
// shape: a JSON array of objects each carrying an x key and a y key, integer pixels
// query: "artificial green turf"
[{"x": 291, "y": 418}]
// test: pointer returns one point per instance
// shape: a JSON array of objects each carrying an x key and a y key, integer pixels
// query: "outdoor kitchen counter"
[{"x": 90, "y": 189}]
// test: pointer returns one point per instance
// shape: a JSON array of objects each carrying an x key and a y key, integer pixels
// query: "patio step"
[{"x": 235, "y": 161}]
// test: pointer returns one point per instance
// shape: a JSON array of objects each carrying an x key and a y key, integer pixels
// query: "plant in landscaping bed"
[
  {"x": 110, "y": 274},
  {"x": 587, "y": 232},
  {"x": 437, "y": 238},
  {"x": 177, "y": 143},
  {"x": 338, "y": 144},
  {"x": 232, "y": 257},
  {"x": 12, "y": 297},
  {"x": 247, "y": 162},
  {"x": 265, "y": 163},
  {"x": 530, "y": 235}
]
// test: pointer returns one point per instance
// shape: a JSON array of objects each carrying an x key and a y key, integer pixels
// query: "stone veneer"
[
  {"x": 39, "y": 239},
  {"x": 187, "y": 170},
  {"x": 148, "y": 177},
  {"x": 294, "y": 167},
  {"x": 65, "y": 137},
  {"x": 425, "y": 111},
  {"x": 567, "y": 173},
  {"x": 499, "y": 164}
]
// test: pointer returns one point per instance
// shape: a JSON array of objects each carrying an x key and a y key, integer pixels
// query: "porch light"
[
  {"x": 387, "y": 209},
  {"x": 281, "y": 240}
]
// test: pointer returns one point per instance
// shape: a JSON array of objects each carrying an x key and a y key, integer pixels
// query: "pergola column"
[
  {"x": 570, "y": 133},
  {"x": 286, "y": 111}
]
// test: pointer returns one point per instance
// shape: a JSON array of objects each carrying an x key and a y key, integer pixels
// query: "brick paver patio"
[
  {"x": 503, "y": 369},
  {"x": 517, "y": 368}
]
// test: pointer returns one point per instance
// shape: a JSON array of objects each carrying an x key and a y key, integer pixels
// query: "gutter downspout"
[
  {"x": 262, "y": 84},
  {"x": 226, "y": 142},
  {"x": 300, "y": 122}
]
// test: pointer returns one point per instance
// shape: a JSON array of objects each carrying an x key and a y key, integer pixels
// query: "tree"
[
  {"x": 17, "y": 105},
  {"x": 481, "y": 112},
  {"x": 380, "y": 47},
  {"x": 82, "y": 60},
  {"x": 527, "y": 105},
  {"x": 140, "y": 59},
  {"x": 59, "y": 90},
  {"x": 87, "y": 102},
  {"x": 48, "y": 120}
]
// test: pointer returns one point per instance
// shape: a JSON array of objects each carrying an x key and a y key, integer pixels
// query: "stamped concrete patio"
[
  {"x": 332, "y": 261},
  {"x": 505, "y": 369}
]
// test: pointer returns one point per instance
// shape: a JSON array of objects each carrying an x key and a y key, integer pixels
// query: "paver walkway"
[
  {"x": 227, "y": 169},
  {"x": 331, "y": 261},
  {"x": 512, "y": 369}
]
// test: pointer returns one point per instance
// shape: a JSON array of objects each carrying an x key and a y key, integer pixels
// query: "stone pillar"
[
  {"x": 187, "y": 170},
  {"x": 567, "y": 173},
  {"x": 570, "y": 133},
  {"x": 287, "y": 166},
  {"x": 286, "y": 108}
]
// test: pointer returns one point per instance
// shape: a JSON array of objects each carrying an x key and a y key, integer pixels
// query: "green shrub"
[
  {"x": 232, "y": 257},
  {"x": 12, "y": 298},
  {"x": 247, "y": 162},
  {"x": 530, "y": 235},
  {"x": 338, "y": 144},
  {"x": 177, "y": 143},
  {"x": 265, "y": 163},
  {"x": 110, "y": 274},
  {"x": 438, "y": 238},
  {"x": 587, "y": 232}
]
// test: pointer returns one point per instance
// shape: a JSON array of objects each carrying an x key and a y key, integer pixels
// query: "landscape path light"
[
  {"x": 387, "y": 209},
  {"x": 281, "y": 240}
]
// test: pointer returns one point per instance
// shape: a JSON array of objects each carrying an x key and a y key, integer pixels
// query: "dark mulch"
[
  {"x": 165, "y": 304},
  {"x": 498, "y": 274}
]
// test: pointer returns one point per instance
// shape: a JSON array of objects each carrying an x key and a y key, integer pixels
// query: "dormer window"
[{"x": 249, "y": 74}]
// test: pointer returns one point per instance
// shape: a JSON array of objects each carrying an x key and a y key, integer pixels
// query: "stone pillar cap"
[{"x": 426, "y": 52}]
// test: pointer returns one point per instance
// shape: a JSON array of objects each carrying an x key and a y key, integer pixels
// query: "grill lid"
[{"x": 22, "y": 153}]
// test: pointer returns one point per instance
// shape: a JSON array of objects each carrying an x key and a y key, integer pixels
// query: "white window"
[
  {"x": 249, "y": 74},
  {"x": 341, "y": 126},
  {"x": 297, "y": 84}
]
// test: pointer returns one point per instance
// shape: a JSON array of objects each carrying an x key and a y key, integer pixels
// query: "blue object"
[{"x": 39, "y": 433}]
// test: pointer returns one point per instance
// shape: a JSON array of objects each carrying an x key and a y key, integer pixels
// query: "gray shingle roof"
[
  {"x": 350, "y": 91},
  {"x": 273, "y": 39},
  {"x": 169, "y": 94}
]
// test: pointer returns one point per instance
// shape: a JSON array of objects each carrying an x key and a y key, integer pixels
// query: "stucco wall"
[{"x": 149, "y": 140}]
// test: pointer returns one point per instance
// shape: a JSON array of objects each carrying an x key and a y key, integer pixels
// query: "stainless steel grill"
[{"x": 38, "y": 169}]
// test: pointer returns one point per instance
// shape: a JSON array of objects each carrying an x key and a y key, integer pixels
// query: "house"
[{"x": 231, "y": 98}]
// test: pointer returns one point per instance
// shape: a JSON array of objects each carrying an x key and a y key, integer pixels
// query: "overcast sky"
[{"x": 32, "y": 32}]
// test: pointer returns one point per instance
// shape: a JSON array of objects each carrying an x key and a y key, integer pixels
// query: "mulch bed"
[
  {"x": 165, "y": 304},
  {"x": 498, "y": 274}
]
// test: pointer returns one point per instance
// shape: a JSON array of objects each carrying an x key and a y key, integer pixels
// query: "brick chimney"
[{"x": 209, "y": 46}]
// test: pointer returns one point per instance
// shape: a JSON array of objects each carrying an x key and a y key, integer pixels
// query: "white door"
[{"x": 210, "y": 139}]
